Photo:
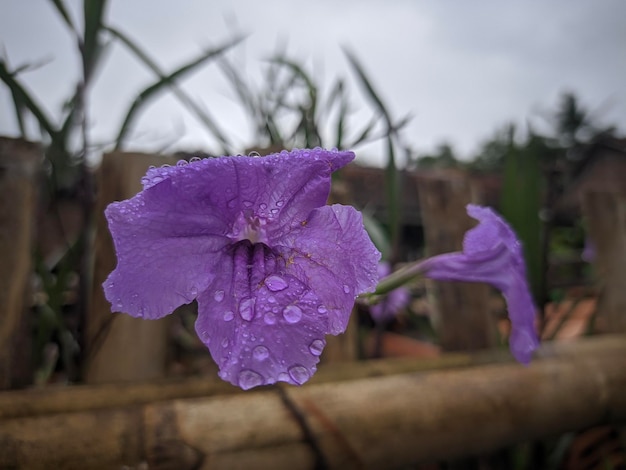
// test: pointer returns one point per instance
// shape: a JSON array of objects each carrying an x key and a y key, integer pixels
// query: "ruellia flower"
[
  {"x": 493, "y": 254},
  {"x": 396, "y": 300},
  {"x": 274, "y": 270}
]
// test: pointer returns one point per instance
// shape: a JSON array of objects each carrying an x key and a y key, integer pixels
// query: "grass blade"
[
  {"x": 93, "y": 11},
  {"x": 203, "y": 116},
  {"x": 60, "y": 7},
  {"x": 150, "y": 92},
  {"x": 21, "y": 95}
]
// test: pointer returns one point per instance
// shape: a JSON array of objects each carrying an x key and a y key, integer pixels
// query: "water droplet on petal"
[
  {"x": 182, "y": 162},
  {"x": 249, "y": 379},
  {"x": 219, "y": 295},
  {"x": 194, "y": 159},
  {"x": 274, "y": 211},
  {"x": 292, "y": 313},
  {"x": 346, "y": 289},
  {"x": 299, "y": 374},
  {"x": 260, "y": 353},
  {"x": 193, "y": 291},
  {"x": 225, "y": 343},
  {"x": 317, "y": 346},
  {"x": 254, "y": 153},
  {"x": 247, "y": 203},
  {"x": 228, "y": 316},
  {"x": 271, "y": 299},
  {"x": 246, "y": 309},
  {"x": 283, "y": 377},
  {"x": 276, "y": 283},
  {"x": 263, "y": 206},
  {"x": 321, "y": 309},
  {"x": 280, "y": 203},
  {"x": 269, "y": 318}
]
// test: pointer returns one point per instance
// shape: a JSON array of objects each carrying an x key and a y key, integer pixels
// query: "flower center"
[{"x": 249, "y": 226}]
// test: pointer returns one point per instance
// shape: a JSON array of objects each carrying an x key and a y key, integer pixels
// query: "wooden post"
[
  {"x": 606, "y": 218},
  {"x": 388, "y": 421},
  {"x": 119, "y": 347},
  {"x": 19, "y": 165},
  {"x": 461, "y": 310}
]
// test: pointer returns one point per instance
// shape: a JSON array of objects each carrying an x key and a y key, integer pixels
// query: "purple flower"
[
  {"x": 493, "y": 254},
  {"x": 272, "y": 267},
  {"x": 395, "y": 301}
]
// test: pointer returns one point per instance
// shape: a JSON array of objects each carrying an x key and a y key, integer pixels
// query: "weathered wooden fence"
[{"x": 378, "y": 414}]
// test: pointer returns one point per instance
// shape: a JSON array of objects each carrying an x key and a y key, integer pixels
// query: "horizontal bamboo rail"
[{"x": 383, "y": 421}]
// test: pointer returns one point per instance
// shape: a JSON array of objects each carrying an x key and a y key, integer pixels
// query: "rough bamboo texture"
[
  {"x": 19, "y": 165},
  {"x": 119, "y": 347},
  {"x": 460, "y": 310},
  {"x": 387, "y": 421},
  {"x": 606, "y": 218}
]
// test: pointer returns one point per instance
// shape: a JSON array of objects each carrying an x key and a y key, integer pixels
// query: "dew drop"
[
  {"x": 299, "y": 374},
  {"x": 321, "y": 309},
  {"x": 246, "y": 309},
  {"x": 292, "y": 313},
  {"x": 182, "y": 163},
  {"x": 254, "y": 153},
  {"x": 260, "y": 353},
  {"x": 274, "y": 211},
  {"x": 276, "y": 283},
  {"x": 166, "y": 165},
  {"x": 269, "y": 318},
  {"x": 271, "y": 299},
  {"x": 219, "y": 295},
  {"x": 346, "y": 289},
  {"x": 283, "y": 377},
  {"x": 225, "y": 343},
  {"x": 228, "y": 315},
  {"x": 247, "y": 203},
  {"x": 193, "y": 291},
  {"x": 279, "y": 203},
  {"x": 263, "y": 206},
  {"x": 194, "y": 159},
  {"x": 249, "y": 379},
  {"x": 316, "y": 347}
]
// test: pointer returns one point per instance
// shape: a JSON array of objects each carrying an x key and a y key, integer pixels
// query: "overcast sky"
[{"x": 461, "y": 68}]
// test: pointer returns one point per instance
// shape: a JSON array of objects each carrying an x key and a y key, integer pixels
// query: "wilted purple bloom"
[
  {"x": 395, "y": 301},
  {"x": 493, "y": 254},
  {"x": 589, "y": 251},
  {"x": 272, "y": 267}
]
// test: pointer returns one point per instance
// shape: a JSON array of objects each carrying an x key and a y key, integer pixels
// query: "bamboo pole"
[
  {"x": 373, "y": 422},
  {"x": 460, "y": 310},
  {"x": 606, "y": 217},
  {"x": 19, "y": 164},
  {"x": 119, "y": 347}
]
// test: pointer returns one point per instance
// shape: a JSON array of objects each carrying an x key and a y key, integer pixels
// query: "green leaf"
[
  {"x": 60, "y": 7},
  {"x": 93, "y": 12},
  {"x": 203, "y": 116},
  {"x": 522, "y": 199},
  {"x": 153, "y": 90},
  {"x": 23, "y": 97}
]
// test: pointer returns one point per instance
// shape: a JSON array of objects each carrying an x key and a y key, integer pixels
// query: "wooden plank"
[
  {"x": 19, "y": 165},
  {"x": 119, "y": 347},
  {"x": 605, "y": 213},
  {"x": 460, "y": 310},
  {"x": 375, "y": 422}
]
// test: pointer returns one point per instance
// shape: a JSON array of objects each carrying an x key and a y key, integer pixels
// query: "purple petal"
[
  {"x": 333, "y": 255},
  {"x": 166, "y": 250},
  {"x": 261, "y": 324},
  {"x": 493, "y": 254}
]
